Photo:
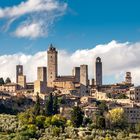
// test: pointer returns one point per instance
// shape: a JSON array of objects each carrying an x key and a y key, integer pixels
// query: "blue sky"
[
  {"x": 29, "y": 26},
  {"x": 85, "y": 24}
]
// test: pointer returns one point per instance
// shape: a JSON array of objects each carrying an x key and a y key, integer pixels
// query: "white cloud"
[
  {"x": 32, "y": 30},
  {"x": 117, "y": 58},
  {"x": 40, "y": 13},
  {"x": 31, "y": 6}
]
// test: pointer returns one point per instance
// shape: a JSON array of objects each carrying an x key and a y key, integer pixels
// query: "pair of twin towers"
[{"x": 52, "y": 69}]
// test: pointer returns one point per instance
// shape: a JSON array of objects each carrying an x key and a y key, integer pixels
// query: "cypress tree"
[
  {"x": 37, "y": 105},
  {"x": 1, "y": 81},
  {"x": 49, "y": 105},
  {"x": 8, "y": 80},
  {"x": 55, "y": 105},
  {"x": 77, "y": 116}
]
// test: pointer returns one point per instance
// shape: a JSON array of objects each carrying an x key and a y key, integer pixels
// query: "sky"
[{"x": 80, "y": 29}]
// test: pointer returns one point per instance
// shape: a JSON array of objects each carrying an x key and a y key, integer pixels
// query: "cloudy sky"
[{"x": 80, "y": 29}]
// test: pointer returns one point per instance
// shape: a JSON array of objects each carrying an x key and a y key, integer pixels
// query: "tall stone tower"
[
  {"x": 40, "y": 85},
  {"x": 98, "y": 71},
  {"x": 19, "y": 71},
  {"x": 42, "y": 74},
  {"x": 20, "y": 78},
  {"x": 84, "y": 75},
  {"x": 128, "y": 78},
  {"x": 52, "y": 65},
  {"x": 84, "y": 80},
  {"x": 76, "y": 73}
]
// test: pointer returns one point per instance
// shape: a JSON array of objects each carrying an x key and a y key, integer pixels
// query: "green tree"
[
  {"x": 1, "y": 81},
  {"x": 117, "y": 118},
  {"x": 55, "y": 105},
  {"x": 37, "y": 105},
  {"x": 102, "y": 107},
  {"x": 40, "y": 120},
  {"x": 49, "y": 105},
  {"x": 100, "y": 122},
  {"x": 77, "y": 116},
  {"x": 27, "y": 117},
  {"x": 58, "y": 120},
  {"x": 8, "y": 80},
  {"x": 87, "y": 121}
]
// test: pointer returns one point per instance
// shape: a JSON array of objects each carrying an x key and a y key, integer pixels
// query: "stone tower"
[
  {"x": 98, "y": 71},
  {"x": 42, "y": 74},
  {"x": 128, "y": 78},
  {"x": 20, "y": 78},
  {"x": 40, "y": 85},
  {"x": 76, "y": 73},
  {"x": 84, "y": 75},
  {"x": 52, "y": 65},
  {"x": 84, "y": 80},
  {"x": 19, "y": 71}
]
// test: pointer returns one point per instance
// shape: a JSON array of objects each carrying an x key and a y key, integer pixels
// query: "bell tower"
[{"x": 52, "y": 65}]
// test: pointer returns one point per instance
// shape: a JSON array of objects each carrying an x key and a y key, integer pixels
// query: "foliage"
[
  {"x": 100, "y": 122},
  {"x": 77, "y": 116},
  {"x": 117, "y": 118},
  {"x": 8, "y": 123},
  {"x": 102, "y": 107},
  {"x": 8, "y": 80},
  {"x": 87, "y": 121},
  {"x": 37, "y": 105},
  {"x": 1, "y": 81},
  {"x": 27, "y": 117},
  {"x": 7, "y": 110},
  {"x": 55, "y": 105},
  {"x": 40, "y": 120},
  {"x": 49, "y": 105},
  {"x": 56, "y": 120}
]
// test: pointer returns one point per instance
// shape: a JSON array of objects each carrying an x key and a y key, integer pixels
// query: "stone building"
[
  {"x": 128, "y": 78},
  {"x": 69, "y": 82},
  {"x": 52, "y": 70},
  {"x": 40, "y": 85},
  {"x": 76, "y": 73},
  {"x": 10, "y": 87},
  {"x": 98, "y": 71},
  {"x": 134, "y": 94},
  {"x": 19, "y": 71},
  {"x": 84, "y": 82},
  {"x": 132, "y": 113},
  {"x": 42, "y": 74},
  {"x": 20, "y": 78}
]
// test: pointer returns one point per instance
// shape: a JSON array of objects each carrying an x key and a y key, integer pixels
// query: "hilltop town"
[
  {"x": 75, "y": 98},
  {"x": 76, "y": 88}
]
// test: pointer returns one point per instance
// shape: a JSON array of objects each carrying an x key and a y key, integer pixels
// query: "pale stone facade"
[
  {"x": 135, "y": 94},
  {"x": 76, "y": 73},
  {"x": 11, "y": 87},
  {"x": 132, "y": 113},
  {"x": 42, "y": 74},
  {"x": 40, "y": 85},
  {"x": 84, "y": 82},
  {"x": 22, "y": 81}
]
